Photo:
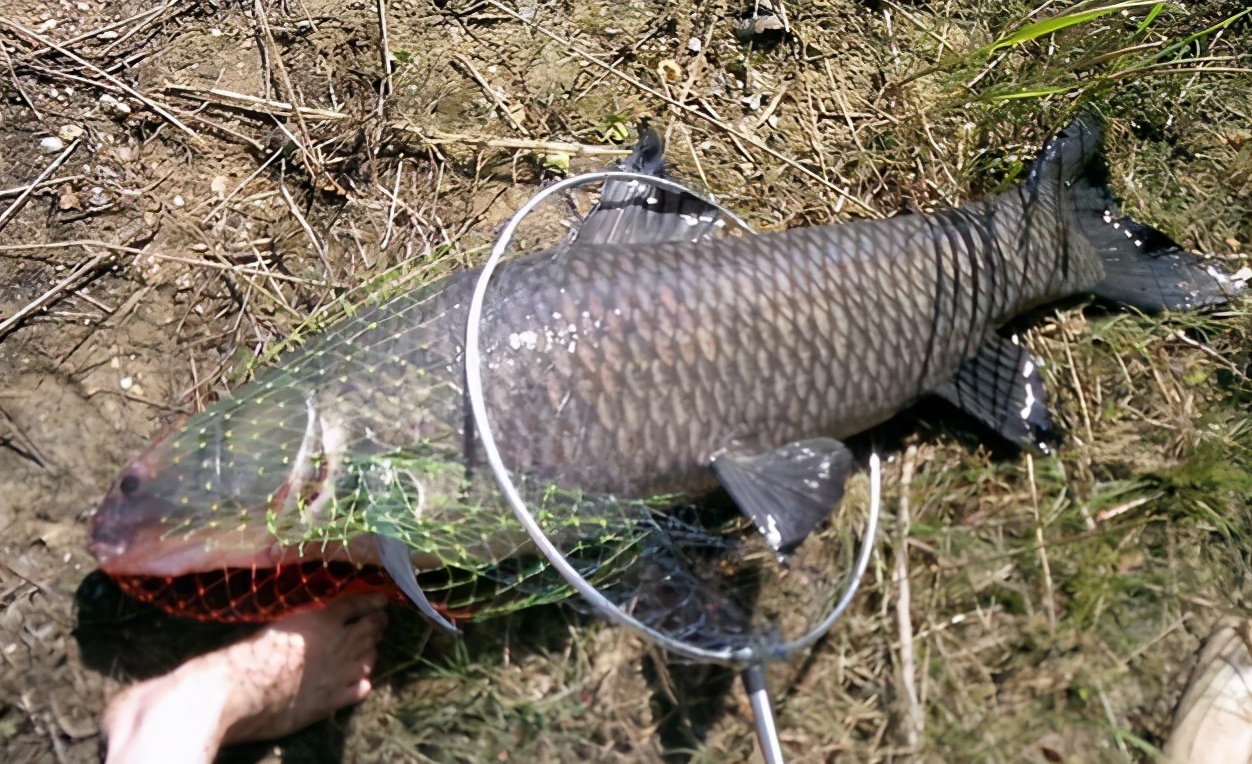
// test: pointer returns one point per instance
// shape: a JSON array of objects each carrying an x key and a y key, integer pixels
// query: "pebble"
[
  {"x": 51, "y": 144},
  {"x": 70, "y": 132},
  {"x": 116, "y": 108}
]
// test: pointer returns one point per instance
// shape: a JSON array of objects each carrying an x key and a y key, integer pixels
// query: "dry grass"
[{"x": 278, "y": 155}]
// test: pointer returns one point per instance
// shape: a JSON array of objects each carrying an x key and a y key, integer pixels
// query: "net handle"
[{"x": 478, "y": 406}]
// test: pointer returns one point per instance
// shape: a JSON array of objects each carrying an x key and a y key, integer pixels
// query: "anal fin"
[
  {"x": 1002, "y": 388},
  {"x": 787, "y": 492}
]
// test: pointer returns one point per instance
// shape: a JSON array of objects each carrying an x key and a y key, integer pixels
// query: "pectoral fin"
[
  {"x": 394, "y": 556},
  {"x": 789, "y": 491},
  {"x": 1003, "y": 388}
]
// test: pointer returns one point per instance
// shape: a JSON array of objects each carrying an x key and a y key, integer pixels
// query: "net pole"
[{"x": 758, "y": 695}]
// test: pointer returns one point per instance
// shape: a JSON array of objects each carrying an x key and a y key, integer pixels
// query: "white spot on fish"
[
  {"x": 527, "y": 338},
  {"x": 1030, "y": 401},
  {"x": 573, "y": 345},
  {"x": 772, "y": 534},
  {"x": 1028, "y": 368},
  {"x": 652, "y": 200}
]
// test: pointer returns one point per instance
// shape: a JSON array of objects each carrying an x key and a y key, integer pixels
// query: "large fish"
[{"x": 626, "y": 372}]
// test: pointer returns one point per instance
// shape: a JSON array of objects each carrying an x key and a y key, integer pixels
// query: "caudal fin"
[{"x": 1143, "y": 267}]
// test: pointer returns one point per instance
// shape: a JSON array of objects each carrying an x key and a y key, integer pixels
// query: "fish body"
[{"x": 625, "y": 372}]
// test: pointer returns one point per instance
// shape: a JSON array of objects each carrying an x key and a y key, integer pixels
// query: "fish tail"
[{"x": 1143, "y": 267}]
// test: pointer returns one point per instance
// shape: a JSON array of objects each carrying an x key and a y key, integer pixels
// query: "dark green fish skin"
[{"x": 627, "y": 370}]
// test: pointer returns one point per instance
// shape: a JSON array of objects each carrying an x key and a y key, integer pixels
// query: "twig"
[
  {"x": 384, "y": 51},
  {"x": 240, "y": 269},
  {"x": 151, "y": 104},
  {"x": 231, "y": 99},
  {"x": 1049, "y": 605},
  {"x": 20, "y": 201},
  {"x": 636, "y": 82},
  {"x": 498, "y": 99},
  {"x": 1122, "y": 509},
  {"x": 914, "y": 721},
  {"x": 318, "y": 245},
  {"x": 106, "y": 28},
  {"x": 436, "y": 138},
  {"x": 391, "y": 208},
  {"x": 33, "y": 306},
  {"x": 19, "y": 190},
  {"x": 312, "y": 163},
  {"x": 17, "y": 85},
  {"x": 1212, "y": 354}
]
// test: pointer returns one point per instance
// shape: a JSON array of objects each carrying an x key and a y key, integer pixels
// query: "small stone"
[
  {"x": 178, "y": 200},
  {"x": 114, "y": 107},
  {"x": 51, "y": 144},
  {"x": 767, "y": 29},
  {"x": 219, "y": 185},
  {"x": 127, "y": 383},
  {"x": 108, "y": 35},
  {"x": 47, "y": 26},
  {"x": 70, "y": 133},
  {"x": 694, "y": 45}
]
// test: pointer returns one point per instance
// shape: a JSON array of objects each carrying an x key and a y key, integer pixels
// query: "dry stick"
[
  {"x": 160, "y": 256},
  {"x": 491, "y": 92},
  {"x": 136, "y": 29},
  {"x": 312, "y": 164},
  {"x": 19, "y": 190},
  {"x": 106, "y": 28},
  {"x": 17, "y": 85},
  {"x": 226, "y": 200},
  {"x": 391, "y": 208},
  {"x": 913, "y": 721},
  {"x": 757, "y": 142},
  {"x": 20, "y": 201},
  {"x": 384, "y": 50},
  {"x": 436, "y": 138},
  {"x": 151, "y": 104},
  {"x": 1048, "y": 604},
  {"x": 33, "y": 306},
  {"x": 318, "y": 245},
  {"x": 247, "y": 102}
]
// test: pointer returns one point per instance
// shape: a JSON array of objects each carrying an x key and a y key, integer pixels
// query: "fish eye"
[{"x": 129, "y": 484}]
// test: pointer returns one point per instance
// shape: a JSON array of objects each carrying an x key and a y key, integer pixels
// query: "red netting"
[{"x": 253, "y": 595}]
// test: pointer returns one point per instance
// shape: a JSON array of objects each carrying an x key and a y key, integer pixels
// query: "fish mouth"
[
  {"x": 131, "y": 536},
  {"x": 224, "y": 576}
]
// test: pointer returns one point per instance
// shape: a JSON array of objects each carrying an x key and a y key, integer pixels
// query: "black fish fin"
[
  {"x": 1001, "y": 387},
  {"x": 394, "y": 556},
  {"x": 789, "y": 491},
  {"x": 1143, "y": 267},
  {"x": 631, "y": 212}
]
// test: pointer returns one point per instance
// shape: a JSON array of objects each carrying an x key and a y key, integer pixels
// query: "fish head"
[{"x": 200, "y": 498}]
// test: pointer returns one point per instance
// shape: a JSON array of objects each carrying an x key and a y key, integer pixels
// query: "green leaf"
[{"x": 1037, "y": 29}]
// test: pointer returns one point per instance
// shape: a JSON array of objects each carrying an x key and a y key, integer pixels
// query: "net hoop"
[{"x": 474, "y": 383}]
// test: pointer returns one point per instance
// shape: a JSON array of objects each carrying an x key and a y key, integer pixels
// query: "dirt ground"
[{"x": 210, "y": 174}]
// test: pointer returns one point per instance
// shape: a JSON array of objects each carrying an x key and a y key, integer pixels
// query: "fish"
[{"x": 649, "y": 360}]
